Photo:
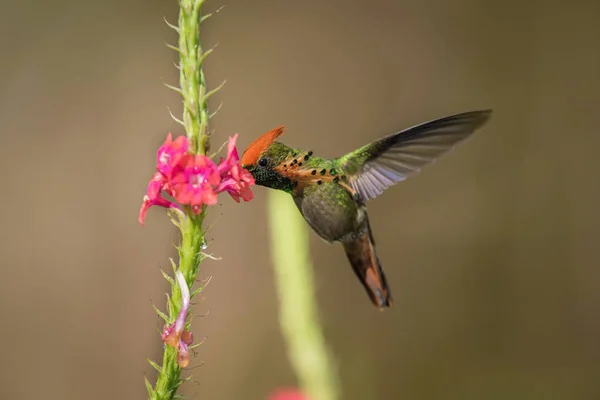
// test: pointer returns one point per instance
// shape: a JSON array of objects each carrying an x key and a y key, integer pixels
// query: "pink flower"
[
  {"x": 194, "y": 179},
  {"x": 175, "y": 335},
  {"x": 167, "y": 157},
  {"x": 288, "y": 394},
  {"x": 231, "y": 164},
  {"x": 237, "y": 189},
  {"x": 153, "y": 196},
  {"x": 170, "y": 153},
  {"x": 235, "y": 179}
]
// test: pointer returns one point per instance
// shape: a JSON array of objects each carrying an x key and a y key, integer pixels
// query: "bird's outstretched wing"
[{"x": 387, "y": 161}]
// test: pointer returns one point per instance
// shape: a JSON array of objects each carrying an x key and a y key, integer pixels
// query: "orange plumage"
[{"x": 250, "y": 156}]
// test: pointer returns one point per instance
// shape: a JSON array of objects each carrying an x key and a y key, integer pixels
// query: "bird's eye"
[{"x": 263, "y": 162}]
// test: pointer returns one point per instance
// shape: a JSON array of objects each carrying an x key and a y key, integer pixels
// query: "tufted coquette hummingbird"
[{"x": 331, "y": 193}]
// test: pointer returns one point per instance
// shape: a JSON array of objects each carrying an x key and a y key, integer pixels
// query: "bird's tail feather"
[{"x": 360, "y": 250}]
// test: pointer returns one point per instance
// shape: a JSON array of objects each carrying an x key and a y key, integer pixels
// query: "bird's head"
[{"x": 262, "y": 158}]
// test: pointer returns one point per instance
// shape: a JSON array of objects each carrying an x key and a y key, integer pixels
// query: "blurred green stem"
[{"x": 298, "y": 314}]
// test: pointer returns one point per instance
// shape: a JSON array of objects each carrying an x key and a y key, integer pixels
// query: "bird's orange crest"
[{"x": 250, "y": 156}]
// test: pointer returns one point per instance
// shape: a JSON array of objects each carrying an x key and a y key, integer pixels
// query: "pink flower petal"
[
  {"x": 170, "y": 153},
  {"x": 232, "y": 160},
  {"x": 236, "y": 189},
  {"x": 153, "y": 196},
  {"x": 235, "y": 179}
]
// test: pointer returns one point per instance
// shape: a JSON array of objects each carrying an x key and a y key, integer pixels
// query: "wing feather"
[{"x": 387, "y": 161}]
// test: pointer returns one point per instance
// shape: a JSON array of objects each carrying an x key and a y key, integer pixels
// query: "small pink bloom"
[
  {"x": 231, "y": 164},
  {"x": 155, "y": 186},
  {"x": 170, "y": 153},
  {"x": 237, "y": 189},
  {"x": 193, "y": 179},
  {"x": 175, "y": 335},
  {"x": 235, "y": 179},
  {"x": 288, "y": 394},
  {"x": 154, "y": 197}
]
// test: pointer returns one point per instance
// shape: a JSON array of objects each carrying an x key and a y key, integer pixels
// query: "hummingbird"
[{"x": 331, "y": 194}]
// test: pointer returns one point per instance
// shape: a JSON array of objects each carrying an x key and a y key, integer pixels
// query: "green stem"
[
  {"x": 190, "y": 256},
  {"x": 195, "y": 121},
  {"x": 191, "y": 77},
  {"x": 298, "y": 316}
]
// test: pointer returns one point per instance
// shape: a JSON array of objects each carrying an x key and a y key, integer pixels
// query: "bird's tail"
[{"x": 360, "y": 250}]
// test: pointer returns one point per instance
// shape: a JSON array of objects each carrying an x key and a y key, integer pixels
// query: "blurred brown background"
[{"x": 491, "y": 253}]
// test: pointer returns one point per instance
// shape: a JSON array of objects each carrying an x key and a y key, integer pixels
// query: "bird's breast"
[{"x": 329, "y": 209}]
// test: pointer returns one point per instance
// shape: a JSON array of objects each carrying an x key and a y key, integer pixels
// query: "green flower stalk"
[
  {"x": 298, "y": 315},
  {"x": 185, "y": 173},
  {"x": 191, "y": 78}
]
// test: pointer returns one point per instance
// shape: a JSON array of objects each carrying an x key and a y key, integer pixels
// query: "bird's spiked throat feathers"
[
  {"x": 263, "y": 156},
  {"x": 275, "y": 165}
]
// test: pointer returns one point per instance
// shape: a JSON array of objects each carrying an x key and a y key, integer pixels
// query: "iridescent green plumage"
[{"x": 331, "y": 193}]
